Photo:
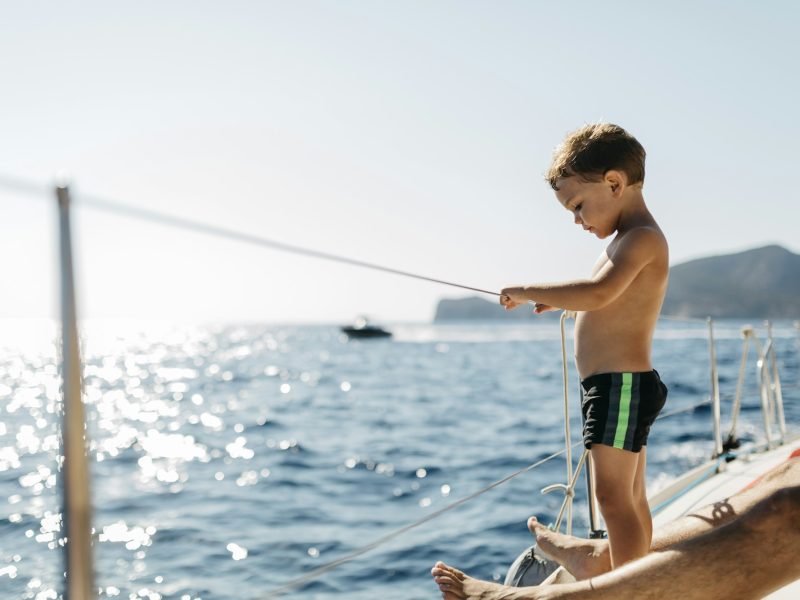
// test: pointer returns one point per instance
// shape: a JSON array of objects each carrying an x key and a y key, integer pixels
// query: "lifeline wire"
[
  {"x": 22, "y": 186},
  {"x": 364, "y": 549},
  {"x": 183, "y": 223},
  {"x": 684, "y": 410},
  {"x": 156, "y": 217}
]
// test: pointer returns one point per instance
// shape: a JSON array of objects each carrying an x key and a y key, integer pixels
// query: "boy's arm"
[{"x": 635, "y": 251}]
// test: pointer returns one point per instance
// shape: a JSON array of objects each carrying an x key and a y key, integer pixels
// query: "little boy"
[{"x": 597, "y": 175}]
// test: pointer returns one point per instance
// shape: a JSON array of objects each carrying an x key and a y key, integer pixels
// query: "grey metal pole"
[
  {"x": 594, "y": 513},
  {"x": 776, "y": 384},
  {"x": 747, "y": 335},
  {"x": 567, "y": 437},
  {"x": 762, "y": 367},
  {"x": 715, "y": 410},
  {"x": 76, "y": 510}
]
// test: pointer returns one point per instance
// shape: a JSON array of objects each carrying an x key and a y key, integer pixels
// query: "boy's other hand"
[{"x": 539, "y": 308}]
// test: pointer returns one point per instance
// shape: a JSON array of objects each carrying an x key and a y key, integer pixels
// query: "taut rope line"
[
  {"x": 96, "y": 202},
  {"x": 197, "y": 226},
  {"x": 289, "y": 585}
]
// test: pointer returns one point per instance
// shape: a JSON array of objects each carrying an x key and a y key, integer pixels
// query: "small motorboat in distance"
[{"x": 363, "y": 329}]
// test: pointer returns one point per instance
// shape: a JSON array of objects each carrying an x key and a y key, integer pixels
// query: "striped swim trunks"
[{"x": 619, "y": 408}]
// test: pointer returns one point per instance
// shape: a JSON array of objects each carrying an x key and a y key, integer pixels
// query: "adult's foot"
[
  {"x": 581, "y": 557},
  {"x": 455, "y": 585}
]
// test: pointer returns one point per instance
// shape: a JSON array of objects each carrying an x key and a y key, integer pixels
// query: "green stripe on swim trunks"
[{"x": 624, "y": 410}]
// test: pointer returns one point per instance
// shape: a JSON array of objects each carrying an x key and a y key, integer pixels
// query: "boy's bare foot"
[
  {"x": 455, "y": 585},
  {"x": 581, "y": 557}
]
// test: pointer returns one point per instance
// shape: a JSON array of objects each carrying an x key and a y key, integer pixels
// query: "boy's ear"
[{"x": 616, "y": 180}]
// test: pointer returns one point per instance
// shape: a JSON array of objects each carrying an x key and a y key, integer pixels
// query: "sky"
[{"x": 411, "y": 134}]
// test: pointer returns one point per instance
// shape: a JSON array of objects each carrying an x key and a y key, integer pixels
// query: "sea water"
[{"x": 227, "y": 460}]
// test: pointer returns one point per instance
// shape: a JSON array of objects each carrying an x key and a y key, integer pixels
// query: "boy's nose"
[{"x": 578, "y": 220}]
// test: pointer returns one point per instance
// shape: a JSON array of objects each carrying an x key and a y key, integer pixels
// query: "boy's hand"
[{"x": 512, "y": 297}]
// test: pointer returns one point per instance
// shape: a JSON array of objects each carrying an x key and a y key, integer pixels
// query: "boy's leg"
[{"x": 615, "y": 472}]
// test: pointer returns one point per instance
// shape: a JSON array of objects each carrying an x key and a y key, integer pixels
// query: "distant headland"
[{"x": 758, "y": 283}]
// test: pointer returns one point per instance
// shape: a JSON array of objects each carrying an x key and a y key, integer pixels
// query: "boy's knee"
[{"x": 612, "y": 498}]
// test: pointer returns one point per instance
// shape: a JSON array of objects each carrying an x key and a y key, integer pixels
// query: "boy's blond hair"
[{"x": 593, "y": 150}]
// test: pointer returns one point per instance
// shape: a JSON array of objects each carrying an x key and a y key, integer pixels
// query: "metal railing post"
[
  {"x": 76, "y": 504},
  {"x": 567, "y": 437},
  {"x": 715, "y": 409},
  {"x": 732, "y": 441},
  {"x": 776, "y": 385},
  {"x": 764, "y": 385},
  {"x": 594, "y": 512}
]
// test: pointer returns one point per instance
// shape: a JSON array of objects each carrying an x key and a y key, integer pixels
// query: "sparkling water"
[{"x": 230, "y": 459}]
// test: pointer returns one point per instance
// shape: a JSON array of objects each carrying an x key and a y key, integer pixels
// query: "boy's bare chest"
[
  {"x": 602, "y": 261},
  {"x": 606, "y": 257}
]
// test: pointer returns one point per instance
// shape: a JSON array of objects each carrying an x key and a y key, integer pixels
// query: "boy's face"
[{"x": 593, "y": 204}]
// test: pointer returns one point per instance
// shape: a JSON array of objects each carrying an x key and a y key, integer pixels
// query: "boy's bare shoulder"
[{"x": 647, "y": 241}]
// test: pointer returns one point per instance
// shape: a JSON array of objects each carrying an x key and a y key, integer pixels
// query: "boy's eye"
[{"x": 578, "y": 206}]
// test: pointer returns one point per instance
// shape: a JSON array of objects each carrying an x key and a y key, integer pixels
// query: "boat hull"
[{"x": 366, "y": 332}]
